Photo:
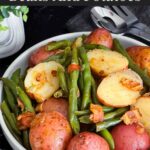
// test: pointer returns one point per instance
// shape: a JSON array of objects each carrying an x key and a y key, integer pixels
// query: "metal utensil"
[{"x": 129, "y": 24}]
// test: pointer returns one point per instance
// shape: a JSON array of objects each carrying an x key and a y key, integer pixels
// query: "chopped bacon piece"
[
  {"x": 130, "y": 84},
  {"x": 20, "y": 104},
  {"x": 73, "y": 67},
  {"x": 97, "y": 113},
  {"x": 24, "y": 120},
  {"x": 131, "y": 116}
]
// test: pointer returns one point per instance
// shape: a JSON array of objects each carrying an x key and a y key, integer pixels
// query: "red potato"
[
  {"x": 53, "y": 104},
  {"x": 127, "y": 137},
  {"x": 141, "y": 56},
  {"x": 49, "y": 131},
  {"x": 100, "y": 36},
  {"x": 87, "y": 141},
  {"x": 41, "y": 54}
]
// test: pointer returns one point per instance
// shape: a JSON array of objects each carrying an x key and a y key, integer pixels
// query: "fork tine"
[
  {"x": 118, "y": 11},
  {"x": 127, "y": 11}
]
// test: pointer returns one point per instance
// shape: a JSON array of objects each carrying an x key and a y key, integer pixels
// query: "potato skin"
[
  {"x": 100, "y": 36},
  {"x": 127, "y": 138},
  {"x": 141, "y": 56},
  {"x": 53, "y": 104},
  {"x": 87, "y": 141},
  {"x": 41, "y": 54},
  {"x": 49, "y": 131}
]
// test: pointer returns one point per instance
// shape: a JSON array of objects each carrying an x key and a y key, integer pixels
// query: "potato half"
[
  {"x": 143, "y": 105},
  {"x": 104, "y": 62},
  {"x": 120, "y": 89},
  {"x": 41, "y": 81}
]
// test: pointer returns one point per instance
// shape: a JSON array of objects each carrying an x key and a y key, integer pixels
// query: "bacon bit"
[
  {"x": 24, "y": 120},
  {"x": 139, "y": 128},
  {"x": 131, "y": 116},
  {"x": 130, "y": 84},
  {"x": 97, "y": 113},
  {"x": 73, "y": 67},
  {"x": 20, "y": 104},
  {"x": 54, "y": 73}
]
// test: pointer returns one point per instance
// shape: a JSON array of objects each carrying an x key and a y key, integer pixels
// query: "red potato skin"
[
  {"x": 87, "y": 141},
  {"x": 49, "y": 131},
  {"x": 53, "y": 104},
  {"x": 127, "y": 138},
  {"x": 41, "y": 54},
  {"x": 100, "y": 36}
]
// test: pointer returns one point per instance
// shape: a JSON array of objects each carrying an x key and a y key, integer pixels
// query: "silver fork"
[{"x": 130, "y": 19}]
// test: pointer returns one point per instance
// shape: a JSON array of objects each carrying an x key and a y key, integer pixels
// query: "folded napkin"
[{"x": 81, "y": 22}]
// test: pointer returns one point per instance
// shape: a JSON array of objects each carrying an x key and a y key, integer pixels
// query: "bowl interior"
[{"x": 22, "y": 61}]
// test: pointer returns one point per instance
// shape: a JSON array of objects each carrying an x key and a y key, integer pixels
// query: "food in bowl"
[{"x": 73, "y": 94}]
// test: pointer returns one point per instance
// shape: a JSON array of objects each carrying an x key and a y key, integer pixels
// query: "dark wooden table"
[{"x": 45, "y": 22}]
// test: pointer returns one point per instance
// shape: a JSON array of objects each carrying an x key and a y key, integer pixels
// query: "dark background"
[{"x": 47, "y": 21}]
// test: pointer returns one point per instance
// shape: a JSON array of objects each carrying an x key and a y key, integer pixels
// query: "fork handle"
[{"x": 141, "y": 34}]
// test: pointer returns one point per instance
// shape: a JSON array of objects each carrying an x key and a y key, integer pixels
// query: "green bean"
[
  {"x": 11, "y": 130},
  {"x": 56, "y": 57},
  {"x": 95, "y": 46},
  {"x": 11, "y": 100},
  {"x": 26, "y": 139},
  {"x": 132, "y": 64},
  {"x": 11, "y": 85},
  {"x": 25, "y": 99},
  {"x": 73, "y": 104},
  {"x": 59, "y": 93},
  {"x": 107, "y": 109},
  {"x": 115, "y": 113},
  {"x": 86, "y": 94},
  {"x": 82, "y": 112},
  {"x": 68, "y": 79},
  {"x": 108, "y": 137},
  {"x": 77, "y": 43},
  {"x": 62, "y": 80},
  {"x": 15, "y": 76},
  {"x": 85, "y": 119},
  {"x": 94, "y": 89},
  {"x": 9, "y": 117},
  {"x": 58, "y": 45},
  {"x": 106, "y": 124},
  {"x": 21, "y": 82}
]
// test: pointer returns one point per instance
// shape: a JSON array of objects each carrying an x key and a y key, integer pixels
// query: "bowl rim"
[{"x": 10, "y": 138}]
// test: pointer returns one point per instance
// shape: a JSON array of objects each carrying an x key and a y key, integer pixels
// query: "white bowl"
[{"x": 22, "y": 60}]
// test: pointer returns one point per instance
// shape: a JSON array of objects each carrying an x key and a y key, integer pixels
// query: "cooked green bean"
[
  {"x": 25, "y": 99},
  {"x": 94, "y": 89},
  {"x": 118, "y": 47},
  {"x": 11, "y": 100},
  {"x": 9, "y": 117},
  {"x": 16, "y": 75},
  {"x": 82, "y": 112},
  {"x": 77, "y": 42},
  {"x": 58, "y": 45},
  {"x": 59, "y": 93},
  {"x": 95, "y": 46},
  {"x": 86, "y": 94},
  {"x": 106, "y": 124},
  {"x": 108, "y": 137},
  {"x": 115, "y": 113},
  {"x": 11, "y": 130},
  {"x": 62, "y": 80},
  {"x": 73, "y": 100},
  {"x": 107, "y": 109},
  {"x": 11, "y": 85},
  {"x": 26, "y": 142},
  {"x": 85, "y": 119}
]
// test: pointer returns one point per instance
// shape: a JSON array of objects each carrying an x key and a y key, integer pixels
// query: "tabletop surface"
[{"x": 45, "y": 22}]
